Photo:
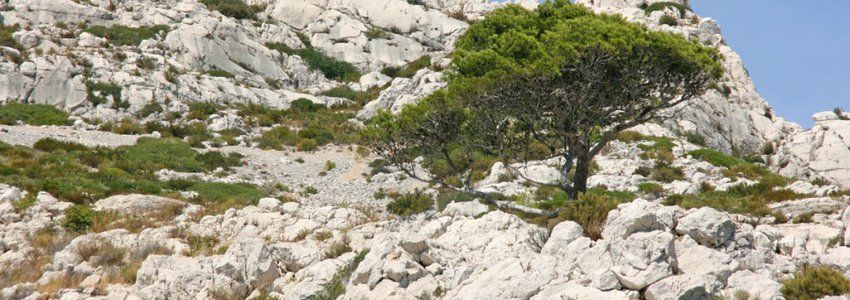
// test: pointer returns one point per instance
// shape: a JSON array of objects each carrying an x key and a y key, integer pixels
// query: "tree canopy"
[{"x": 556, "y": 82}]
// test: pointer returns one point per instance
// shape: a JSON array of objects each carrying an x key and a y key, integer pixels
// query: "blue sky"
[{"x": 797, "y": 52}]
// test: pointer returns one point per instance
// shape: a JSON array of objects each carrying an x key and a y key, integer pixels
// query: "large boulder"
[
  {"x": 697, "y": 287},
  {"x": 707, "y": 226},
  {"x": 643, "y": 258},
  {"x": 135, "y": 204},
  {"x": 639, "y": 216}
]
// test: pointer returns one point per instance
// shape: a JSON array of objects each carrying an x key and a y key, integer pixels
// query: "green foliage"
[
  {"x": 651, "y": 188},
  {"x": 98, "y": 93},
  {"x": 377, "y": 33},
  {"x": 590, "y": 211},
  {"x": 79, "y": 218},
  {"x": 232, "y": 8},
  {"x": 219, "y": 73},
  {"x": 307, "y": 145},
  {"x": 410, "y": 69},
  {"x": 152, "y": 154},
  {"x": 231, "y": 194},
  {"x": 695, "y": 138},
  {"x": 149, "y": 109},
  {"x": 201, "y": 110},
  {"x": 814, "y": 283},
  {"x": 668, "y": 20},
  {"x": 51, "y": 145},
  {"x": 336, "y": 287},
  {"x": 331, "y": 67},
  {"x": 6, "y": 38},
  {"x": 305, "y": 126},
  {"x": 665, "y": 173},
  {"x": 716, "y": 158},
  {"x": 658, "y": 6},
  {"x": 742, "y": 199},
  {"x": 410, "y": 204},
  {"x": 32, "y": 114},
  {"x": 127, "y": 36}
]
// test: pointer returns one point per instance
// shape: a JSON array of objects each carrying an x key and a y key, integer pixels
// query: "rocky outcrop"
[{"x": 819, "y": 153}]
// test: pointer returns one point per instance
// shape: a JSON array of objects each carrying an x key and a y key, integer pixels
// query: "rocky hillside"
[{"x": 182, "y": 149}]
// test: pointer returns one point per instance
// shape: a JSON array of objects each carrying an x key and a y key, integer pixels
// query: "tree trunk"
[{"x": 581, "y": 174}]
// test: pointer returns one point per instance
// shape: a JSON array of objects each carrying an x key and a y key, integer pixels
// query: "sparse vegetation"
[
  {"x": 410, "y": 204},
  {"x": 127, "y": 36},
  {"x": 101, "y": 92},
  {"x": 336, "y": 287},
  {"x": 331, "y": 67},
  {"x": 658, "y": 6},
  {"x": 233, "y": 8},
  {"x": 219, "y": 73},
  {"x": 590, "y": 211},
  {"x": 32, "y": 114},
  {"x": 815, "y": 282},
  {"x": 408, "y": 70}
]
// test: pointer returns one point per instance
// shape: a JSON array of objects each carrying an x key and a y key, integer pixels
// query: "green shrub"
[
  {"x": 149, "y": 109},
  {"x": 590, "y": 211},
  {"x": 377, "y": 33},
  {"x": 410, "y": 204},
  {"x": 237, "y": 194},
  {"x": 305, "y": 105},
  {"x": 152, "y": 154},
  {"x": 663, "y": 5},
  {"x": 410, "y": 69},
  {"x": 336, "y": 287},
  {"x": 219, "y": 73},
  {"x": 665, "y": 173},
  {"x": 630, "y": 136},
  {"x": 201, "y": 110},
  {"x": 51, "y": 145},
  {"x": 6, "y": 38},
  {"x": 98, "y": 93},
  {"x": 214, "y": 159},
  {"x": 695, "y": 138},
  {"x": 32, "y": 114},
  {"x": 814, "y": 283},
  {"x": 127, "y": 36},
  {"x": 330, "y": 165},
  {"x": 651, "y": 188},
  {"x": 716, "y": 158},
  {"x": 668, "y": 20},
  {"x": 643, "y": 171},
  {"x": 331, "y": 67},
  {"x": 79, "y": 218},
  {"x": 276, "y": 137},
  {"x": 306, "y": 144},
  {"x": 232, "y": 8}
]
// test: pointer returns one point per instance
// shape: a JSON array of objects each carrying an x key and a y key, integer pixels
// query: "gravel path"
[{"x": 28, "y": 135}]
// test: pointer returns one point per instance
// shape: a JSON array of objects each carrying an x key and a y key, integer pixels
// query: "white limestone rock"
[{"x": 707, "y": 226}]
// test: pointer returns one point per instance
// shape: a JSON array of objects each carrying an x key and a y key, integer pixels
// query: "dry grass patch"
[{"x": 44, "y": 244}]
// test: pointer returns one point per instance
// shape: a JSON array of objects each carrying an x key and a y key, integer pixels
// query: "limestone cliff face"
[{"x": 170, "y": 67}]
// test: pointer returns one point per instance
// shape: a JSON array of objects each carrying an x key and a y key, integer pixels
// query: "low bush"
[
  {"x": 219, "y": 73},
  {"x": 590, "y": 211},
  {"x": 149, "y": 109},
  {"x": 306, "y": 144},
  {"x": 332, "y": 68},
  {"x": 51, "y": 145},
  {"x": 151, "y": 154},
  {"x": 668, "y": 20},
  {"x": 814, "y": 283},
  {"x": 651, "y": 188},
  {"x": 657, "y": 6},
  {"x": 336, "y": 287},
  {"x": 410, "y": 204},
  {"x": 32, "y": 114},
  {"x": 408, "y": 70},
  {"x": 99, "y": 93},
  {"x": 336, "y": 249},
  {"x": 665, "y": 173},
  {"x": 716, "y": 158},
  {"x": 79, "y": 218},
  {"x": 127, "y": 36},
  {"x": 233, "y": 8}
]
